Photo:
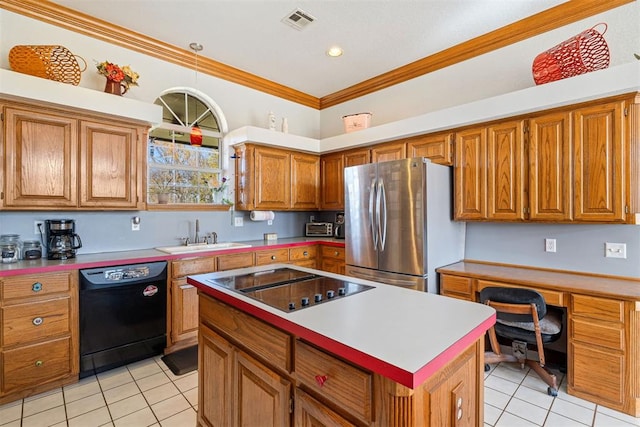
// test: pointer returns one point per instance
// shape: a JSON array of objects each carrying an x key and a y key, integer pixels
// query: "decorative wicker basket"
[{"x": 47, "y": 61}]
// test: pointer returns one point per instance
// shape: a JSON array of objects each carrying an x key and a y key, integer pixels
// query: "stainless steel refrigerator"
[{"x": 399, "y": 225}]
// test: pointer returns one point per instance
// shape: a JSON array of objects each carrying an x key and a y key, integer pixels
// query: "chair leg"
[{"x": 545, "y": 375}]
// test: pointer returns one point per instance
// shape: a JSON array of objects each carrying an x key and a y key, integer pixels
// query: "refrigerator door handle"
[
  {"x": 379, "y": 191},
  {"x": 372, "y": 217},
  {"x": 382, "y": 215}
]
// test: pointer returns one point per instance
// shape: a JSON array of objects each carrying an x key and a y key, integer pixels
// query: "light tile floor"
[{"x": 147, "y": 393}]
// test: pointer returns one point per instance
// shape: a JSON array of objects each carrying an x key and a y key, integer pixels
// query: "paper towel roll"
[{"x": 262, "y": 215}]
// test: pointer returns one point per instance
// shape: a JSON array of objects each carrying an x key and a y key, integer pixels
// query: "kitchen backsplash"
[{"x": 111, "y": 231}]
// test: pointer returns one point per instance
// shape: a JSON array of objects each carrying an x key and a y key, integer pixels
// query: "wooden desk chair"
[{"x": 523, "y": 317}]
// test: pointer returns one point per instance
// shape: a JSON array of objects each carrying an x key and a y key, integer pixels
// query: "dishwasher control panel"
[{"x": 137, "y": 272}]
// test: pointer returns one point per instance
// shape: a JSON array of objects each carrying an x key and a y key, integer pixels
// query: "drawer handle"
[
  {"x": 305, "y": 253},
  {"x": 321, "y": 379},
  {"x": 39, "y": 363},
  {"x": 36, "y": 287},
  {"x": 37, "y": 321},
  {"x": 273, "y": 257}
]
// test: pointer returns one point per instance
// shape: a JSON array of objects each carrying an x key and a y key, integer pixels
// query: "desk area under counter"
[
  {"x": 603, "y": 323},
  {"x": 369, "y": 358}
]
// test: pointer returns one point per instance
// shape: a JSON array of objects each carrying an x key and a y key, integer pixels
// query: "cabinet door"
[
  {"x": 109, "y": 161},
  {"x": 550, "y": 182},
  {"x": 332, "y": 178},
  {"x": 272, "y": 181},
  {"x": 389, "y": 151},
  {"x": 599, "y": 163},
  {"x": 305, "y": 181},
  {"x": 41, "y": 160},
  {"x": 470, "y": 185},
  {"x": 184, "y": 310},
  {"x": 215, "y": 379},
  {"x": 263, "y": 398},
  {"x": 505, "y": 171},
  {"x": 357, "y": 157},
  {"x": 438, "y": 147},
  {"x": 309, "y": 412}
]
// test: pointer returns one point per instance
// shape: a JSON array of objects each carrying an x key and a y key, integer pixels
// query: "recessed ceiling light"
[{"x": 335, "y": 51}]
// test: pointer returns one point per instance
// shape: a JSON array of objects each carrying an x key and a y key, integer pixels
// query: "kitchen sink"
[{"x": 202, "y": 247}]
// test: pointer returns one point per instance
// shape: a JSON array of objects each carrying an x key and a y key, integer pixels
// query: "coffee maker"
[{"x": 61, "y": 239}]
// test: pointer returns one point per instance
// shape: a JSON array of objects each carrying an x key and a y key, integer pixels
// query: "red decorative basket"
[{"x": 588, "y": 51}]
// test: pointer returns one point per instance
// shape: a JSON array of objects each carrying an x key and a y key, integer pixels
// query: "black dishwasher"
[{"x": 122, "y": 315}]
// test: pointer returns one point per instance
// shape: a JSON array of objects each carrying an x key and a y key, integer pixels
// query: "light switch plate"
[{"x": 615, "y": 250}]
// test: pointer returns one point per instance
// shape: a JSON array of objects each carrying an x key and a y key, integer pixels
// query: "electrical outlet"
[
  {"x": 37, "y": 226},
  {"x": 549, "y": 245},
  {"x": 615, "y": 250},
  {"x": 312, "y": 218},
  {"x": 238, "y": 221}
]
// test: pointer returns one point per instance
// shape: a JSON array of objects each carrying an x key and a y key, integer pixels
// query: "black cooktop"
[{"x": 290, "y": 290}]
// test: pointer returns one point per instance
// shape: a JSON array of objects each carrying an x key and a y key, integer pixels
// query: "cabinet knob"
[
  {"x": 336, "y": 253},
  {"x": 305, "y": 253},
  {"x": 39, "y": 363},
  {"x": 36, "y": 287},
  {"x": 321, "y": 379},
  {"x": 37, "y": 321},
  {"x": 273, "y": 257}
]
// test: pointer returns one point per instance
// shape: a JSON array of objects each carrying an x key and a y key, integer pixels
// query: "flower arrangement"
[
  {"x": 124, "y": 75},
  {"x": 223, "y": 185}
]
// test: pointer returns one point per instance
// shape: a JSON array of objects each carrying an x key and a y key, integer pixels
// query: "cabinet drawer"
[
  {"x": 231, "y": 261},
  {"x": 35, "y": 285},
  {"x": 550, "y": 297},
  {"x": 271, "y": 345},
  {"x": 332, "y": 252},
  {"x": 302, "y": 253},
  {"x": 606, "y": 335},
  {"x": 597, "y": 308},
  {"x": 36, "y": 364},
  {"x": 185, "y": 267},
  {"x": 455, "y": 284},
  {"x": 23, "y": 323},
  {"x": 272, "y": 256},
  {"x": 334, "y": 380}
]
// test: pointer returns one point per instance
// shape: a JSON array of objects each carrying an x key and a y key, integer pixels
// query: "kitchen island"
[{"x": 384, "y": 356}]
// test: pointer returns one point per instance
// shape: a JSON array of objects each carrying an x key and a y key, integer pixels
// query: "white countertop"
[{"x": 402, "y": 334}]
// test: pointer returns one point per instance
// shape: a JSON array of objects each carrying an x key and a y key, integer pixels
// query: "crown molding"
[{"x": 563, "y": 14}]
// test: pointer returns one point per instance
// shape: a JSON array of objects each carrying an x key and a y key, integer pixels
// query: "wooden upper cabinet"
[
  {"x": 41, "y": 151},
  {"x": 599, "y": 157},
  {"x": 357, "y": 157},
  {"x": 505, "y": 171},
  {"x": 332, "y": 181},
  {"x": 550, "y": 180},
  {"x": 272, "y": 178},
  {"x": 305, "y": 181},
  {"x": 437, "y": 147},
  {"x": 470, "y": 185},
  {"x": 389, "y": 151},
  {"x": 275, "y": 179},
  {"x": 111, "y": 163},
  {"x": 61, "y": 160}
]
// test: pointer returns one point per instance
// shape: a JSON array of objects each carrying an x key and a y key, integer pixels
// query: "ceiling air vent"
[{"x": 298, "y": 19}]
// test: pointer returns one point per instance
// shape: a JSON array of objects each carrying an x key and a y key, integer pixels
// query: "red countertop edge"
[
  {"x": 401, "y": 376},
  {"x": 76, "y": 263}
]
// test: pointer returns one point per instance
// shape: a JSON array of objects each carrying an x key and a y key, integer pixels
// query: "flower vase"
[
  {"x": 218, "y": 196},
  {"x": 114, "y": 87}
]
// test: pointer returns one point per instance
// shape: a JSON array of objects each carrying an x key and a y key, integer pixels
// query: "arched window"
[{"x": 177, "y": 170}]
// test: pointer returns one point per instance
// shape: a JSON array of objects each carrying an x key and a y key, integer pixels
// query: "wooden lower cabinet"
[
  {"x": 332, "y": 259},
  {"x": 251, "y": 373},
  {"x": 39, "y": 342}
]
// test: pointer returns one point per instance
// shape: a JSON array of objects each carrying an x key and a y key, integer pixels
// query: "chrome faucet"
[{"x": 197, "y": 237}]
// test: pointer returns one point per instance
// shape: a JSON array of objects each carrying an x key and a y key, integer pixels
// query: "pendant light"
[{"x": 196, "y": 133}]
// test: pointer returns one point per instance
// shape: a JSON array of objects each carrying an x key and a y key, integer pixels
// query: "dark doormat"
[{"x": 182, "y": 361}]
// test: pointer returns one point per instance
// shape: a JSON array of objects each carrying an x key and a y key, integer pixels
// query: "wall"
[{"x": 110, "y": 232}]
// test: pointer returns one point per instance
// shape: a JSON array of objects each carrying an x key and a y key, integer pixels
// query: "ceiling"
[{"x": 377, "y": 36}]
